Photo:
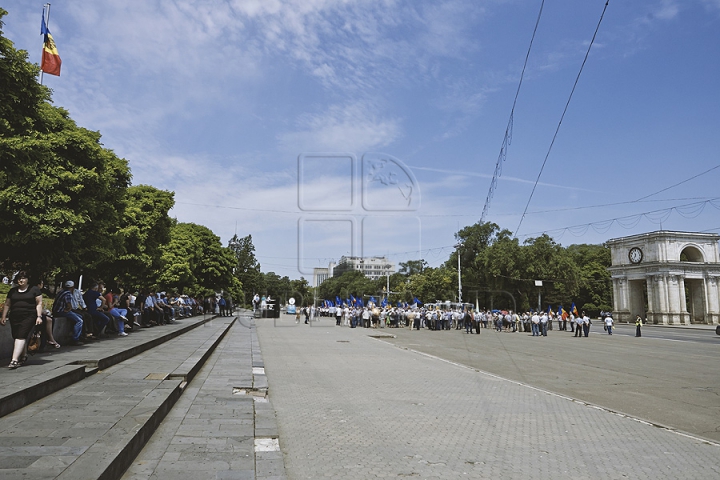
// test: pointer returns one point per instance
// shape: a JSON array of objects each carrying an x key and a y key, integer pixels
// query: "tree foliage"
[
  {"x": 59, "y": 186},
  {"x": 194, "y": 260},
  {"x": 247, "y": 268},
  {"x": 144, "y": 228},
  {"x": 498, "y": 271},
  {"x": 412, "y": 267},
  {"x": 66, "y": 206}
]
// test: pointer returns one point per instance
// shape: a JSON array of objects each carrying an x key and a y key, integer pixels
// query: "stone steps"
[{"x": 90, "y": 418}]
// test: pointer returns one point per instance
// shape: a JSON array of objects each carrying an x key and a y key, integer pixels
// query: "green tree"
[
  {"x": 595, "y": 285},
  {"x": 20, "y": 93},
  {"x": 412, "y": 267},
  {"x": 349, "y": 283},
  {"x": 59, "y": 188},
  {"x": 301, "y": 291},
  {"x": 247, "y": 268},
  {"x": 277, "y": 287},
  {"x": 144, "y": 228},
  {"x": 546, "y": 260},
  {"x": 474, "y": 240},
  {"x": 434, "y": 284},
  {"x": 195, "y": 261}
]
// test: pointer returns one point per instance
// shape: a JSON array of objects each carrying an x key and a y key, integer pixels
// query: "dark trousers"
[
  {"x": 637, "y": 331},
  {"x": 578, "y": 331},
  {"x": 88, "y": 326},
  {"x": 586, "y": 329},
  {"x": 100, "y": 320}
]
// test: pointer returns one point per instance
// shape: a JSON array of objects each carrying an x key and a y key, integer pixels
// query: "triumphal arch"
[{"x": 670, "y": 278}]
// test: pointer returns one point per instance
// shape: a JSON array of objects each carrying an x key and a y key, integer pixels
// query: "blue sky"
[{"x": 326, "y": 128}]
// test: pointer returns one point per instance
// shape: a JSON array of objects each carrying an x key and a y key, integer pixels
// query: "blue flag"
[
  {"x": 372, "y": 299},
  {"x": 383, "y": 303},
  {"x": 338, "y": 302},
  {"x": 418, "y": 302}
]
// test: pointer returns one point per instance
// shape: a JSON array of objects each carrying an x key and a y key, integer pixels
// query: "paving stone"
[
  {"x": 366, "y": 409},
  {"x": 211, "y": 428},
  {"x": 86, "y": 425}
]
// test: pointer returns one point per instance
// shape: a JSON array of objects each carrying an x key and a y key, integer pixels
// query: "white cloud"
[
  {"x": 713, "y": 4},
  {"x": 341, "y": 128},
  {"x": 667, "y": 10}
]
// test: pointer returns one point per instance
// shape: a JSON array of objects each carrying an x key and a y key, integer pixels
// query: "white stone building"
[
  {"x": 669, "y": 277},
  {"x": 371, "y": 267}
]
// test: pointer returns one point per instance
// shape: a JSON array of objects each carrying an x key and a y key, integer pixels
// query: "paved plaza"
[
  {"x": 352, "y": 406},
  {"x": 229, "y": 399}
]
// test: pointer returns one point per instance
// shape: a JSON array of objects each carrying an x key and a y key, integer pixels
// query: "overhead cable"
[
  {"x": 689, "y": 210},
  {"x": 507, "y": 139},
  {"x": 567, "y": 104}
]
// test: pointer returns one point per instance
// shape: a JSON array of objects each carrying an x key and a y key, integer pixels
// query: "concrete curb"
[
  {"x": 702, "y": 326},
  {"x": 97, "y": 462},
  {"x": 269, "y": 460},
  {"x": 13, "y": 399}
]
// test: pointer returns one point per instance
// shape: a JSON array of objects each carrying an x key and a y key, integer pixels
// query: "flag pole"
[{"x": 46, "y": 17}]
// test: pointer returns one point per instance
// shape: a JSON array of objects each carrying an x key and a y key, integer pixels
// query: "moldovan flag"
[{"x": 50, "y": 62}]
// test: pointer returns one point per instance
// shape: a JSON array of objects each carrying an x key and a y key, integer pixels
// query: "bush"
[{"x": 591, "y": 310}]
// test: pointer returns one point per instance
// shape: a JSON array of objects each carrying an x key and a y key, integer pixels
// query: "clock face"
[{"x": 635, "y": 255}]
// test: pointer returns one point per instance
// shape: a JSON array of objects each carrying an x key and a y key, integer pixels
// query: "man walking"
[
  {"x": 608, "y": 323},
  {"x": 586, "y": 324}
]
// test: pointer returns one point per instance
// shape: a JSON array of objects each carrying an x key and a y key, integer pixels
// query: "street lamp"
[{"x": 458, "y": 246}]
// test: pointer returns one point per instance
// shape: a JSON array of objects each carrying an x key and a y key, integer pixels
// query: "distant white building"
[
  {"x": 319, "y": 276},
  {"x": 371, "y": 267}
]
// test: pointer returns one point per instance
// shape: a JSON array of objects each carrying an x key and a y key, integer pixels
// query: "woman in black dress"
[{"x": 25, "y": 306}]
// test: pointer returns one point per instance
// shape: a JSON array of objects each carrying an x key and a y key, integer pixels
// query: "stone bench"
[{"x": 63, "y": 330}]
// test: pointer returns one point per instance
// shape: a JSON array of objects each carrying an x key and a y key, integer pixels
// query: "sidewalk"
[
  {"x": 353, "y": 407},
  {"x": 223, "y": 426},
  {"x": 137, "y": 389}
]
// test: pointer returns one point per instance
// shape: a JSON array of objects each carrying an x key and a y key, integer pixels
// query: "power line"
[
  {"x": 567, "y": 104},
  {"x": 679, "y": 183},
  {"x": 507, "y": 139},
  {"x": 608, "y": 205},
  {"x": 689, "y": 210}
]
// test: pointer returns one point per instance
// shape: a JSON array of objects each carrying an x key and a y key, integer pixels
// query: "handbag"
[{"x": 34, "y": 341}]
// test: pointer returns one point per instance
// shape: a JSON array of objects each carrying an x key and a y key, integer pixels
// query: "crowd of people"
[
  {"x": 95, "y": 313},
  {"x": 441, "y": 318}
]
